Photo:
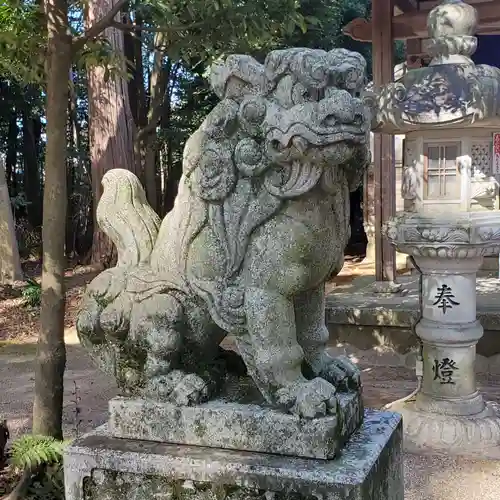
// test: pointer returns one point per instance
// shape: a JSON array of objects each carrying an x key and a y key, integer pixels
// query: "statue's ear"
[{"x": 237, "y": 76}]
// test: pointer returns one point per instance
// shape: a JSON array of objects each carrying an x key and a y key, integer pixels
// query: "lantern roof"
[{"x": 452, "y": 91}]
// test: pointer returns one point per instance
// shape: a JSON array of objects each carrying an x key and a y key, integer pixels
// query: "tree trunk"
[
  {"x": 112, "y": 130},
  {"x": 70, "y": 183},
  {"x": 11, "y": 156},
  {"x": 160, "y": 76},
  {"x": 133, "y": 55},
  {"x": 31, "y": 168},
  {"x": 51, "y": 354},
  {"x": 171, "y": 177}
]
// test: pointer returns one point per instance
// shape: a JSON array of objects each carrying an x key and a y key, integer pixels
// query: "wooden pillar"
[{"x": 383, "y": 150}]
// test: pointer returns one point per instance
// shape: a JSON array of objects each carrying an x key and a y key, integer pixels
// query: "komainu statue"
[{"x": 260, "y": 223}]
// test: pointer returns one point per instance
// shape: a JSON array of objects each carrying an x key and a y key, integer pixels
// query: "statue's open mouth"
[{"x": 303, "y": 138}]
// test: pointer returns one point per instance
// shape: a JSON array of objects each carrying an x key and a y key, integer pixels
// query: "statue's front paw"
[
  {"x": 87, "y": 322},
  {"x": 309, "y": 399},
  {"x": 191, "y": 390},
  {"x": 183, "y": 389},
  {"x": 115, "y": 318},
  {"x": 342, "y": 373}
]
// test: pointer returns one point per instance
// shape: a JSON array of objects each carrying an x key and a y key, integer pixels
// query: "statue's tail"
[{"x": 125, "y": 216}]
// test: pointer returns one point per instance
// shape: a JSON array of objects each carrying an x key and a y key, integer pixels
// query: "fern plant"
[
  {"x": 32, "y": 293},
  {"x": 30, "y": 452},
  {"x": 40, "y": 457}
]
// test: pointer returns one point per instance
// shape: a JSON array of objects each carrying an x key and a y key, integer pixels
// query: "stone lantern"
[
  {"x": 448, "y": 113},
  {"x": 445, "y": 237}
]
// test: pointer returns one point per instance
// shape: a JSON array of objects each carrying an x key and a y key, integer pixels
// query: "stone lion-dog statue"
[{"x": 260, "y": 222}]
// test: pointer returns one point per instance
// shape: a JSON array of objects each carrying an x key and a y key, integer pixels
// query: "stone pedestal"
[
  {"x": 449, "y": 412},
  {"x": 101, "y": 467},
  {"x": 235, "y": 426}
]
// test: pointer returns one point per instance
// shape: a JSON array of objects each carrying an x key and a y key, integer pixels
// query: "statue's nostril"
[{"x": 330, "y": 121}]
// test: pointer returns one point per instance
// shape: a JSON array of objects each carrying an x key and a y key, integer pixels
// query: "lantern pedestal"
[{"x": 448, "y": 413}]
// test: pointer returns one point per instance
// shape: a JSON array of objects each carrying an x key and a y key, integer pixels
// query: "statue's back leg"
[{"x": 181, "y": 346}]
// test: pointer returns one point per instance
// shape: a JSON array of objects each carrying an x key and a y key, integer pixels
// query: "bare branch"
[{"x": 98, "y": 27}]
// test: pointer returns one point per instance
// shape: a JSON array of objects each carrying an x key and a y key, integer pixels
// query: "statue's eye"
[
  {"x": 277, "y": 146},
  {"x": 300, "y": 94}
]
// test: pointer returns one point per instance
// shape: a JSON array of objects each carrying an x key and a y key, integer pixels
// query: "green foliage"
[
  {"x": 190, "y": 34},
  {"x": 325, "y": 20},
  {"x": 99, "y": 52},
  {"x": 31, "y": 452},
  {"x": 32, "y": 294},
  {"x": 199, "y": 30},
  {"x": 42, "y": 455},
  {"x": 22, "y": 35}
]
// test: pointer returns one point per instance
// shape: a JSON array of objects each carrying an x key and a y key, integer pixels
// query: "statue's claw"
[
  {"x": 184, "y": 389},
  {"x": 342, "y": 373},
  {"x": 87, "y": 322},
  {"x": 192, "y": 389},
  {"x": 309, "y": 399}
]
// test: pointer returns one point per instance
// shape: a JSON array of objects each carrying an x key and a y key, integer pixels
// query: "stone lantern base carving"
[{"x": 449, "y": 412}]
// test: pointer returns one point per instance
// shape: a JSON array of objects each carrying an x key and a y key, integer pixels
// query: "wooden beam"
[
  {"x": 414, "y": 24},
  {"x": 361, "y": 29},
  {"x": 383, "y": 150},
  {"x": 430, "y": 4}
]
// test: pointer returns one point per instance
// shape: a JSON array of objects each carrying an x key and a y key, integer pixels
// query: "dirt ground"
[{"x": 86, "y": 388}]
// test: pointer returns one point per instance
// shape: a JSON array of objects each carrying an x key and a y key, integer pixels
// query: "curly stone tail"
[{"x": 125, "y": 216}]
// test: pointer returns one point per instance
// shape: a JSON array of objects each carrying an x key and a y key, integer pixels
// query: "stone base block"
[
  {"x": 229, "y": 425},
  {"x": 475, "y": 436},
  {"x": 101, "y": 467},
  {"x": 388, "y": 288}
]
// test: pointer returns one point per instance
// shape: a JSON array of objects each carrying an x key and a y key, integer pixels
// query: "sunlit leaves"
[
  {"x": 194, "y": 29},
  {"x": 201, "y": 29},
  {"x": 21, "y": 41}
]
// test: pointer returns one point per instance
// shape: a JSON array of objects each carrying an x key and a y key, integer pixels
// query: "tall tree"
[
  {"x": 51, "y": 354},
  {"x": 112, "y": 127},
  {"x": 32, "y": 128},
  {"x": 172, "y": 32},
  {"x": 49, "y": 25}
]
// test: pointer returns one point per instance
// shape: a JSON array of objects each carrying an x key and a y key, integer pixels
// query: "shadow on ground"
[
  {"x": 85, "y": 387},
  {"x": 426, "y": 477}
]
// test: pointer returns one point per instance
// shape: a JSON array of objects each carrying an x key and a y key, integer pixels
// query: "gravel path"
[{"x": 426, "y": 477}]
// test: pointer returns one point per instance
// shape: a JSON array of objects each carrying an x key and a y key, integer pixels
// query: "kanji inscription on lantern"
[
  {"x": 444, "y": 370},
  {"x": 496, "y": 154},
  {"x": 444, "y": 298}
]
